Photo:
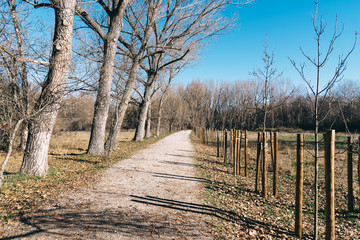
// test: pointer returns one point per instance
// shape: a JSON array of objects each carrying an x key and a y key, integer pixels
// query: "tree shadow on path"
[
  {"x": 80, "y": 222},
  {"x": 212, "y": 211},
  {"x": 181, "y": 177}
]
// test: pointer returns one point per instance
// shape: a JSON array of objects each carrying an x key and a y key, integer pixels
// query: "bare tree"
[
  {"x": 267, "y": 76},
  {"x": 14, "y": 89},
  {"x": 41, "y": 125},
  {"x": 321, "y": 89},
  {"x": 148, "y": 122},
  {"x": 139, "y": 19},
  {"x": 175, "y": 110},
  {"x": 196, "y": 96},
  {"x": 16, "y": 95},
  {"x": 115, "y": 11},
  {"x": 23, "y": 69},
  {"x": 246, "y": 102},
  {"x": 181, "y": 30},
  {"x": 42, "y": 114},
  {"x": 172, "y": 72},
  {"x": 9, "y": 149},
  {"x": 347, "y": 102}
]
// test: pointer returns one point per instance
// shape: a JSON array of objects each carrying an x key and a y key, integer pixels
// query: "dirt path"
[{"x": 153, "y": 195}]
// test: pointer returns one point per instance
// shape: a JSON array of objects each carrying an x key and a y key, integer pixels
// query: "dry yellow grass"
[
  {"x": 69, "y": 167},
  {"x": 77, "y": 142},
  {"x": 62, "y": 143},
  {"x": 275, "y": 217}
]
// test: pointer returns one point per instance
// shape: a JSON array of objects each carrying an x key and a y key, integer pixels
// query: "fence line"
[{"x": 229, "y": 144}]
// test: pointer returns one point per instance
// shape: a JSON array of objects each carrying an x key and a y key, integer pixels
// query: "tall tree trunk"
[
  {"x": 118, "y": 119},
  {"x": 148, "y": 122},
  {"x": 158, "y": 123},
  {"x": 19, "y": 40},
  {"x": 140, "y": 129},
  {"x": 23, "y": 137},
  {"x": 23, "y": 73},
  {"x": 41, "y": 126},
  {"x": 9, "y": 150},
  {"x": 316, "y": 177},
  {"x": 264, "y": 121},
  {"x": 111, "y": 141},
  {"x": 171, "y": 127},
  {"x": 102, "y": 103}
]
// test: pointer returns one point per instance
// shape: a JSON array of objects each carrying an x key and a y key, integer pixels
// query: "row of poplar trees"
[{"x": 131, "y": 43}]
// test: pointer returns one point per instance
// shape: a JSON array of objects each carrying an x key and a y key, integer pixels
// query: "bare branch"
[
  {"x": 105, "y": 7},
  {"x": 91, "y": 23},
  {"x": 38, "y": 5}
]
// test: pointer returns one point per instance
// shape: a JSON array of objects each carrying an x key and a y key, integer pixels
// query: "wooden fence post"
[
  {"x": 231, "y": 136},
  {"x": 246, "y": 155},
  {"x": 299, "y": 184},
  {"x": 227, "y": 133},
  {"x": 350, "y": 175},
  {"x": 359, "y": 167},
  {"x": 235, "y": 152},
  {"x": 330, "y": 183},
  {"x": 207, "y": 136},
  {"x": 264, "y": 168},
  {"x": 217, "y": 144},
  {"x": 203, "y": 135},
  {"x": 235, "y": 148},
  {"x": 272, "y": 149},
  {"x": 258, "y": 153},
  {"x": 276, "y": 164},
  {"x": 222, "y": 143},
  {"x": 225, "y": 146},
  {"x": 239, "y": 152}
]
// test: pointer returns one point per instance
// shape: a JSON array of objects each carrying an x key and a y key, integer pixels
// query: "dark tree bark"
[
  {"x": 140, "y": 129},
  {"x": 9, "y": 150},
  {"x": 158, "y": 122},
  {"x": 148, "y": 122},
  {"x": 23, "y": 137},
  {"x": 171, "y": 127},
  {"x": 35, "y": 161}
]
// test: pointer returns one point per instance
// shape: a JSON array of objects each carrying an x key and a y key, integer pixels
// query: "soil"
[{"x": 155, "y": 194}]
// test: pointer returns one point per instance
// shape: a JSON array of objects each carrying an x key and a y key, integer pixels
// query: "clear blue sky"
[{"x": 287, "y": 25}]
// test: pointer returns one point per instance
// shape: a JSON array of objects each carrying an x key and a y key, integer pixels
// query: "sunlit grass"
[
  {"x": 228, "y": 191},
  {"x": 69, "y": 167}
]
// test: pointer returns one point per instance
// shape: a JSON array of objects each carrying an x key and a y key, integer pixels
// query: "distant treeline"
[{"x": 240, "y": 105}]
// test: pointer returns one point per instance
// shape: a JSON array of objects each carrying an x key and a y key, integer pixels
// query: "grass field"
[
  {"x": 274, "y": 218},
  {"x": 69, "y": 168}
]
